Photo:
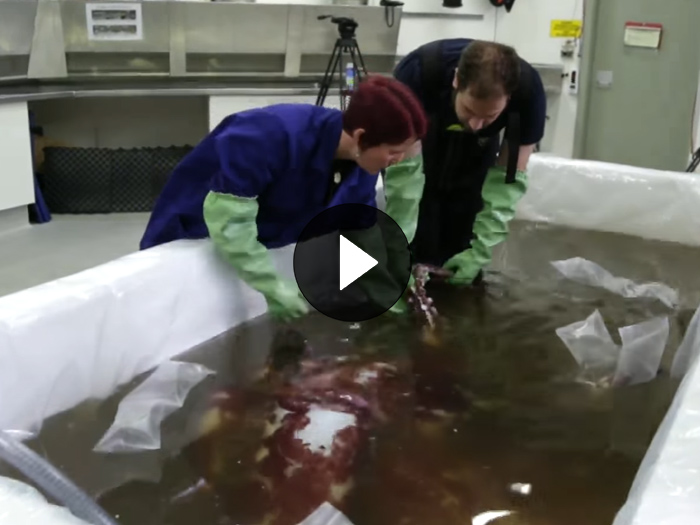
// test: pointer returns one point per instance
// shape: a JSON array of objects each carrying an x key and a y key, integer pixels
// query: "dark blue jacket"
[{"x": 283, "y": 155}]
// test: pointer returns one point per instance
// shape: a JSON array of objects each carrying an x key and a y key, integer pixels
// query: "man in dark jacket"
[{"x": 466, "y": 182}]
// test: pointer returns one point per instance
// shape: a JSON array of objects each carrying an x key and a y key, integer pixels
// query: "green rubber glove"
[
  {"x": 231, "y": 224},
  {"x": 490, "y": 225},
  {"x": 403, "y": 188}
]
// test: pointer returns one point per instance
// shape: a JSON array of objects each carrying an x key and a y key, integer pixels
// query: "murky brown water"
[{"x": 528, "y": 420}]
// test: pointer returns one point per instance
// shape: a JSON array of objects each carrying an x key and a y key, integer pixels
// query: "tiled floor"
[{"x": 66, "y": 245}]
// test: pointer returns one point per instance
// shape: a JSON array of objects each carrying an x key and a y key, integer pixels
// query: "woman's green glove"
[
  {"x": 232, "y": 227},
  {"x": 403, "y": 189},
  {"x": 490, "y": 225}
]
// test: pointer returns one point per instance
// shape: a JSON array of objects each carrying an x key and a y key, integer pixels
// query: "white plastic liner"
[
  {"x": 590, "y": 195},
  {"x": 79, "y": 337},
  {"x": 666, "y": 490},
  {"x": 21, "y": 504}
]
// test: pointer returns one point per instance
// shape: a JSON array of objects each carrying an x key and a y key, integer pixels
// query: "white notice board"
[
  {"x": 114, "y": 21},
  {"x": 638, "y": 34}
]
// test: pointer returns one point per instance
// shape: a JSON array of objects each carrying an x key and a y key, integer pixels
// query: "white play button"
[
  {"x": 354, "y": 263},
  {"x": 341, "y": 283}
]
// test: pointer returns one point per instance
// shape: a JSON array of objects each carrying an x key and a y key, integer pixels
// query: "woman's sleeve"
[{"x": 251, "y": 152}]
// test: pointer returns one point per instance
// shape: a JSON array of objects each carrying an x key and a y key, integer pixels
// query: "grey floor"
[{"x": 66, "y": 245}]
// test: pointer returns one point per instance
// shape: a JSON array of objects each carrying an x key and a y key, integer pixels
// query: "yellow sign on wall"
[{"x": 565, "y": 29}]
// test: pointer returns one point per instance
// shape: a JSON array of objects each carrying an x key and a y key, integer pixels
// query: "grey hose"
[{"x": 50, "y": 479}]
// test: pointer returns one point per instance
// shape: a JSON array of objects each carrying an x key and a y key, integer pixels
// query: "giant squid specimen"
[
  {"x": 423, "y": 308},
  {"x": 276, "y": 452},
  {"x": 312, "y": 423}
]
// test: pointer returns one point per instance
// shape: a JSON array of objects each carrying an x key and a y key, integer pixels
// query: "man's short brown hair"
[{"x": 488, "y": 69}]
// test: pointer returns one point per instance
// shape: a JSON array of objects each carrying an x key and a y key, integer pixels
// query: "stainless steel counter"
[
  {"x": 158, "y": 89},
  {"x": 173, "y": 88}
]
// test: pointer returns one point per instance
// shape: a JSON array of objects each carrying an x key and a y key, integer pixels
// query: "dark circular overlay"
[{"x": 333, "y": 242}]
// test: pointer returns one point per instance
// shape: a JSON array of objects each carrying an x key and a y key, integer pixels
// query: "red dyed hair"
[{"x": 387, "y": 110}]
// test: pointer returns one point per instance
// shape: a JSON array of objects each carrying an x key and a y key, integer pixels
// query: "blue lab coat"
[{"x": 283, "y": 155}]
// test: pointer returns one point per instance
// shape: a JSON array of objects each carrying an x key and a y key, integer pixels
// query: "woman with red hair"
[{"x": 261, "y": 175}]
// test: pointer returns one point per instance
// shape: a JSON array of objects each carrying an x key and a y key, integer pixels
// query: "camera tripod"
[{"x": 345, "y": 46}]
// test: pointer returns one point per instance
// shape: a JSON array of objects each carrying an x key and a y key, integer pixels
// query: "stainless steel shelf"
[{"x": 156, "y": 89}]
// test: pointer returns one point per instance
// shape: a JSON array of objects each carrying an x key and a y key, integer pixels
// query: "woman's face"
[{"x": 380, "y": 157}]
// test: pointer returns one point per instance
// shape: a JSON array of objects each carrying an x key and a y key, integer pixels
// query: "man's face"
[{"x": 474, "y": 113}]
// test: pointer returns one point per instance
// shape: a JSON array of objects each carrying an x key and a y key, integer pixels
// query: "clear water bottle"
[{"x": 350, "y": 76}]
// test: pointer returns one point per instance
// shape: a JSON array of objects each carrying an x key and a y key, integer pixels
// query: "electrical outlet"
[{"x": 573, "y": 81}]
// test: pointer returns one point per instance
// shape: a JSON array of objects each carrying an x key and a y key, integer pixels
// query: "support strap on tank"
[
  {"x": 523, "y": 94},
  {"x": 431, "y": 75},
  {"x": 512, "y": 137}
]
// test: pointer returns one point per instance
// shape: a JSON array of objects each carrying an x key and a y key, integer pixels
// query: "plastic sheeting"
[
  {"x": 643, "y": 346},
  {"x": 667, "y": 485},
  {"x": 600, "y": 196},
  {"x": 591, "y": 345},
  {"x": 21, "y": 504},
  {"x": 602, "y": 361},
  {"x": 80, "y": 337},
  {"x": 326, "y": 514},
  {"x": 136, "y": 426},
  {"x": 688, "y": 352},
  {"x": 587, "y": 272}
]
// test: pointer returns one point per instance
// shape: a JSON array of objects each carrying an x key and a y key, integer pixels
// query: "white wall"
[
  {"x": 417, "y": 30},
  {"x": 305, "y": 2},
  {"x": 526, "y": 28},
  {"x": 16, "y": 171},
  {"x": 221, "y": 106}
]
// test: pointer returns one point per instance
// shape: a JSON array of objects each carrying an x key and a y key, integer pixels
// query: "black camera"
[{"x": 346, "y": 26}]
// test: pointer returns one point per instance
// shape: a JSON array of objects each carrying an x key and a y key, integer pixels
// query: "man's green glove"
[
  {"x": 490, "y": 225},
  {"x": 232, "y": 227},
  {"x": 403, "y": 189}
]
